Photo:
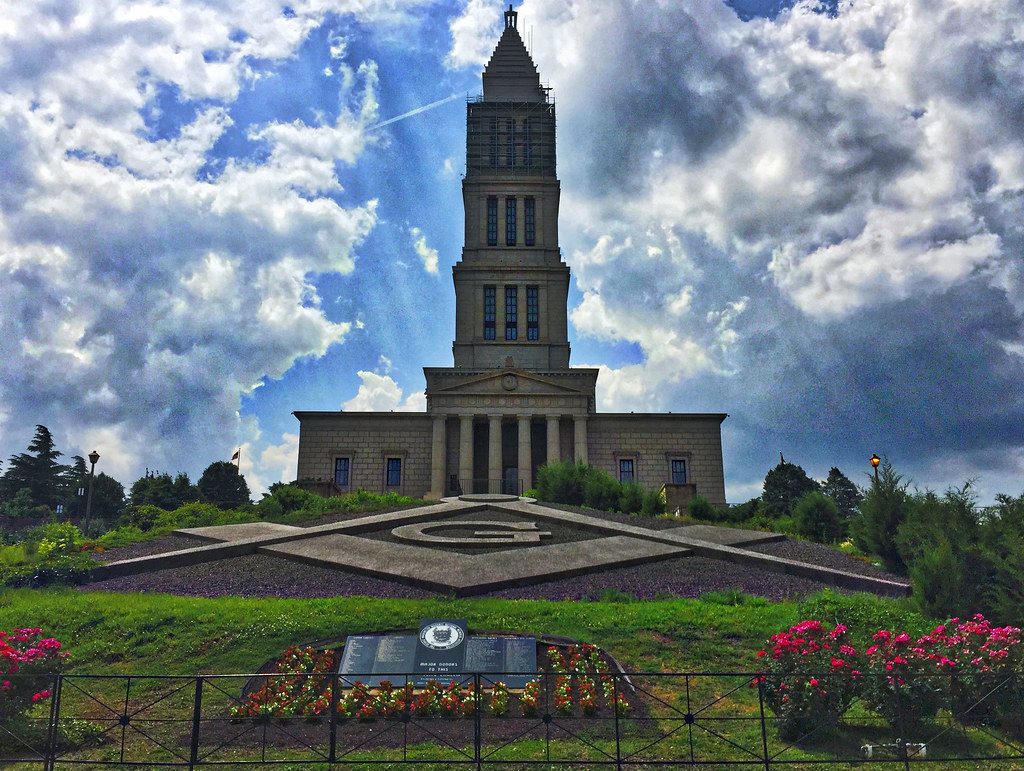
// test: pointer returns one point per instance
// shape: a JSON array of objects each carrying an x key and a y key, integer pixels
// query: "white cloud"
[
  {"x": 265, "y": 464},
  {"x": 380, "y": 393},
  {"x": 427, "y": 254},
  {"x": 474, "y": 33},
  {"x": 142, "y": 288}
]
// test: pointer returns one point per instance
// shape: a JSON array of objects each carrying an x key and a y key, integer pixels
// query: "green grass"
[
  {"x": 161, "y": 634},
  {"x": 164, "y": 634}
]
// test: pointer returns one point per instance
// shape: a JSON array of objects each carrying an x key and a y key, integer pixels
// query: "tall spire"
[{"x": 511, "y": 75}]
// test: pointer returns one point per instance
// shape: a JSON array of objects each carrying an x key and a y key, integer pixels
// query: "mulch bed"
[{"x": 262, "y": 575}]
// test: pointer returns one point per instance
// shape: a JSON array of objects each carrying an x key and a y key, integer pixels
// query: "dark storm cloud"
[{"x": 858, "y": 176}]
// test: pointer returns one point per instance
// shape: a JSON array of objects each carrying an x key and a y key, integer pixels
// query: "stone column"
[
  {"x": 579, "y": 423},
  {"x": 494, "y": 454},
  {"x": 437, "y": 459},
  {"x": 466, "y": 453},
  {"x": 525, "y": 452},
  {"x": 554, "y": 439}
]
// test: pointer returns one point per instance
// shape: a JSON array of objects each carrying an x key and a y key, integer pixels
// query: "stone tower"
[
  {"x": 511, "y": 267},
  {"x": 510, "y": 403}
]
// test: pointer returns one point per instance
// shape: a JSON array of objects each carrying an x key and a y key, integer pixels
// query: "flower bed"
[{"x": 300, "y": 687}]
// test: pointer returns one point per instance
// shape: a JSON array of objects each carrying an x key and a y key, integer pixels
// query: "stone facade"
[
  {"x": 367, "y": 439},
  {"x": 511, "y": 402}
]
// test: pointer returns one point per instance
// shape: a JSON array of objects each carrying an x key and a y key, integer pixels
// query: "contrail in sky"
[{"x": 416, "y": 111}]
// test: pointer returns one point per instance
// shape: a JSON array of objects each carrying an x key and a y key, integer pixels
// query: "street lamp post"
[
  {"x": 93, "y": 458},
  {"x": 874, "y": 460}
]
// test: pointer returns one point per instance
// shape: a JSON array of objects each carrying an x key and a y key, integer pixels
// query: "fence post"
[
  {"x": 901, "y": 727},
  {"x": 615, "y": 712},
  {"x": 53, "y": 730},
  {"x": 764, "y": 727},
  {"x": 477, "y": 738},
  {"x": 197, "y": 713},
  {"x": 332, "y": 753}
]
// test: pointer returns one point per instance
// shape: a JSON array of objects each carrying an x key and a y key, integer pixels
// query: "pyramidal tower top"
[{"x": 511, "y": 75}]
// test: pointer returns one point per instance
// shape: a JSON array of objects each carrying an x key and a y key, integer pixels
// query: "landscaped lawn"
[{"x": 159, "y": 634}]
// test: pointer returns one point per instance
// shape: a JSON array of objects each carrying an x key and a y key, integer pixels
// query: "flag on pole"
[{"x": 237, "y": 454}]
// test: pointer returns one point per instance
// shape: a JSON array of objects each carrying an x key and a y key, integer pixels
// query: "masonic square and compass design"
[{"x": 466, "y": 546}]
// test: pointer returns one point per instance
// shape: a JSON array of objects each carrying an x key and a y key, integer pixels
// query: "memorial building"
[{"x": 511, "y": 402}]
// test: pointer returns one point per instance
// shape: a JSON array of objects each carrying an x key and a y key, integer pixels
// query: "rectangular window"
[
  {"x": 678, "y": 471},
  {"x": 492, "y": 221},
  {"x": 494, "y": 143},
  {"x": 342, "y": 466},
  {"x": 529, "y": 221},
  {"x": 511, "y": 313},
  {"x": 532, "y": 313},
  {"x": 626, "y": 470},
  {"x": 510, "y": 221},
  {"x": 394, "y": 472},
  {"x": 490, "y": 311},
  {"x": 510, "y": 143}
]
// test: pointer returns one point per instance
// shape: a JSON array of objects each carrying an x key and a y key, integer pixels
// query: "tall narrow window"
[
  {"x": 492, "y": 221},
  {"x": 342, "y": 467},
  {"x": 394, "y": 472},
  {"x": 490, "y": 311},
  {"x": 532, "y": 313},
  {"x": 627, "y": 471},
  {"x": 529, "y": 221},
  {"x": 678, "y": 469},
  {"x": 510, "y": 221},
  {"x": 511, "y": 313},
  {"x": 494, "y": 143},
  {"x": 510, "y": 143}
]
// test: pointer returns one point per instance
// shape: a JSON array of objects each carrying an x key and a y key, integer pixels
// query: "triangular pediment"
[{"x": 510, "y": 381}]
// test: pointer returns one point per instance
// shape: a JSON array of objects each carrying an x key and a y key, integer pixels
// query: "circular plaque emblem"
[
  {"x": 510, "y": 382},
  {"x": 441, "y": 636}
]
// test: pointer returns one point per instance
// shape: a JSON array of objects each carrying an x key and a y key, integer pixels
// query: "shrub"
[
  {"x": 58, "y": 539},
  {"x": 810, "y": 677},
  {"x": 631, "y": 500},
  {"x": 701, "y": 508},
  {"x": 27, "y": 661},
  {"x": 61, "y": 569},
  {"x": 600, "y": 490},
  {"x": 561, "y": 482},
  {"x": 862, "y": 614},
  {"x": 816, "y": 516},
  {"x": 899, "y": 684},
  {"x": 653, "y": 503}
]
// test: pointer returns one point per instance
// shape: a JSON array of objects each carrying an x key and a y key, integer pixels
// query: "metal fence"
[{"x": 667, "y": 720}]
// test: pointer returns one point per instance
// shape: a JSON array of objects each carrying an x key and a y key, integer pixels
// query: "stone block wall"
[
  {"x": 367, "y": 438},
  {"x": 652, "y": 440}
]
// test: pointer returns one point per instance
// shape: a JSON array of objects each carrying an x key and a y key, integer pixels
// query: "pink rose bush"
[
  {"x": 811, "y": 677},
  {"x": 28, "y": 660},
  {"x": 972, "y": 668}
]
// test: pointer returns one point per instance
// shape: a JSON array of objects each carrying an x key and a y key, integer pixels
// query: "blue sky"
[{"x": 808, "y": 217}]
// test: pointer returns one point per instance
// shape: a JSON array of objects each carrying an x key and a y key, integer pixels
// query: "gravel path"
[
  {"x": 261, "y": 575},
  {"x": 826, "y": 556}
]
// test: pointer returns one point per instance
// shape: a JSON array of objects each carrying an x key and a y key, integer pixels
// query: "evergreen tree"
[
  {"x": 36, "y": 470},
  {"x": 223, "y": 486},
  {"x": 784, "y": 485},
  {"x": 843, "y": 492},
  {"x": 162, "y": 491},
  {"x": 883, "y": 510}
]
